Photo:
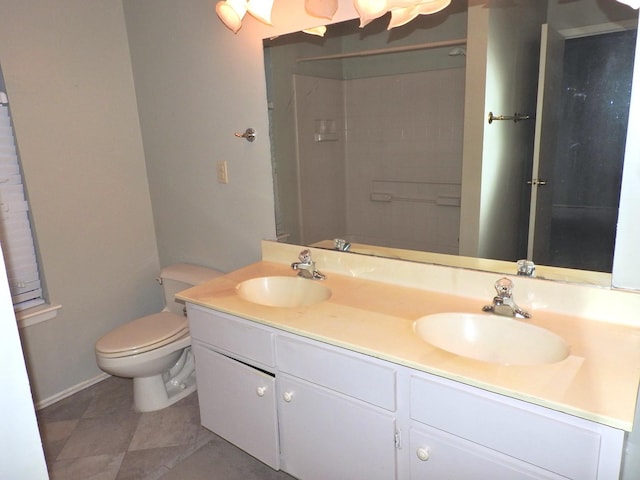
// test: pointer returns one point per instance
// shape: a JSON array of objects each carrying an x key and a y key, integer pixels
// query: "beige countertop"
[{"x": 598, "y": 381}]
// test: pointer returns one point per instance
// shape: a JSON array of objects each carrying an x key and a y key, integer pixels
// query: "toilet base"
[{"x": 160, "y": 391}]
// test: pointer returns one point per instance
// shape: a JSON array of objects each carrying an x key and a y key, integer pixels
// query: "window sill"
[{"x": 39, "y": 314}]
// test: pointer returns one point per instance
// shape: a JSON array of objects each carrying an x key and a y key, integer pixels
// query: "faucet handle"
[
  {"x": 504, "y": 286},
  {"x": 341, "y": 244},
  {"x": 526, "y": 267},
  {"x": 305, "y": 256}
]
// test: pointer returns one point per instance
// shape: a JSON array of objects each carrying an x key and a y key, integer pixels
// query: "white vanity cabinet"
[
  {"x": 336, "y": 413},
  {"x": 318, "y": 411},
  {"x": 235, "y": 374}
]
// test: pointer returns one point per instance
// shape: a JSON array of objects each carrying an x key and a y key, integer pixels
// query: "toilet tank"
[{"x": 181, "y": 276}]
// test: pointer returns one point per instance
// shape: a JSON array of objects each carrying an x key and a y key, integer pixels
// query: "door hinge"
[
  {"x": 537, "y": 182},
  {"x": 397, "y": 440}
]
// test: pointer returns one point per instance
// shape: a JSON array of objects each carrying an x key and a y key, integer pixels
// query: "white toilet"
[{"x": 156, "y": 350}]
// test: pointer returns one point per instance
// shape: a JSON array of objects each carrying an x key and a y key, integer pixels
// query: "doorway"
[{"x": 576, "y": 187}]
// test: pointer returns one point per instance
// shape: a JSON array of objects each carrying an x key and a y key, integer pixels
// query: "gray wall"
[
  {"x": 196, "y": 85},
  {"x": 68, "y": 77}
]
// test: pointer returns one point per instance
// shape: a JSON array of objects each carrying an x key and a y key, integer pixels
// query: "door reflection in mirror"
[{"x": 578, "y": 199}]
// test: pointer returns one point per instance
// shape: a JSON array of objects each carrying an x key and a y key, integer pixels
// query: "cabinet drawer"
[
  {"x": 349, "y": 373},
  {"x": 233, "y": 336},
  {"x": 436, "y": 454},
  {"x": 488, "y": 419}
]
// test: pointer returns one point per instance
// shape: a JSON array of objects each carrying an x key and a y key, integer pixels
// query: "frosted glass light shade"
[
  {"x": 395, "y": 4},
  {"x": 231, "y": 12},
  {"x": 402, "y": 16},
  {"x": 261, "y": 9},
  {"x": 432, "y": 6},
  {"x": 369, "y": 10},
  {"x": 321, "y": 8},
  {"x": 317, "y": 31},
  {"x": 401, "y": 13}
]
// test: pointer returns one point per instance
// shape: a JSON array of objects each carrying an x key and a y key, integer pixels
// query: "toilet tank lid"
[{"x": 189, "y": 274}]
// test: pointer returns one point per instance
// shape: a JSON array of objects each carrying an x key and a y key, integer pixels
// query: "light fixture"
[
  {"x": 231, "y": 12},
  {"x": 261, "y": 9},
  {"x": 317, "y": 31},
  {"x": 369, "y": 10},
  {"x": 432, "y": 6},
  {"x": 321, "y": 8},
  {"x": 402, "y": 16}
]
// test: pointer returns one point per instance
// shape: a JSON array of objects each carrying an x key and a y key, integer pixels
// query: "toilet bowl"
[{"x": 155, "y": 350}]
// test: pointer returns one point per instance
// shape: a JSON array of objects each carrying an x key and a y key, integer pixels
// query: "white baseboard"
[{"x": 70, "y": 391}]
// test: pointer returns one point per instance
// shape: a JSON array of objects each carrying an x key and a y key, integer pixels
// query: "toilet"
[{"x": 155, "y": 351}]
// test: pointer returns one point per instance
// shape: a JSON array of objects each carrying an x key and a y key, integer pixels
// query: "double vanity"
[{"x": 389, "y": 369}]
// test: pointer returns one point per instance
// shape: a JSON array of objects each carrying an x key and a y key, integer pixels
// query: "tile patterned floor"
[{"x": 97, "y": 434}]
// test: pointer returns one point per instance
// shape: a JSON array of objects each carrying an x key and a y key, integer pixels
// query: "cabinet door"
[
  {"x": 439, "y": 456},
  {"x": 326, "y": 435},
  {"x": 238, "y": 403}
]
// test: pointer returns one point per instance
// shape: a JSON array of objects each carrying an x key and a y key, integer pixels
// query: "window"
[{"x": 15, "y": 228}]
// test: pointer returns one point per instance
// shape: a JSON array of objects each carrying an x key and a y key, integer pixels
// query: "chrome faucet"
[
  {"x": 526, "y": 268},
  {"x": 503, "y": 302},
  {"x": 341, "y": 244},
  {"x": 307, "y": 267}
]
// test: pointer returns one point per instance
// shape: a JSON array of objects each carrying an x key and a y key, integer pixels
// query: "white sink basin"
[
  {"x": 283, "y": 291},
  {"x": 491, "y": 338}
]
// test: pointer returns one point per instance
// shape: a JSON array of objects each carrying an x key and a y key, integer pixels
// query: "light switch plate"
[{"x": 223, "y": 176}]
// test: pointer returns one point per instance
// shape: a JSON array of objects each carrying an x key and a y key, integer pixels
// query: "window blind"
[{"x": 15, "y": 228}]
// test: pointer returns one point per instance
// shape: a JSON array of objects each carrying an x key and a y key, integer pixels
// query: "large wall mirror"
[{"x": 384, "y": 138}]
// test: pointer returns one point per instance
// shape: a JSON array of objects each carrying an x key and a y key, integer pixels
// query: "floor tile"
[
  {"x": 114, "y": 395},
  {"x": 55, "y": 435},
  {"x": 151, "y": 463},
  {"x": 69, "y": 408},
  {"x": 96, "y": 467},
  {"x": 101, "y": 435},
  {"x": 169, "y": 427},
  {"x": 220, "y": 460}
]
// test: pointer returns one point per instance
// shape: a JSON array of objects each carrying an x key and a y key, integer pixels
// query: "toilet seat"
[{"x": 143, "y": 334}]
